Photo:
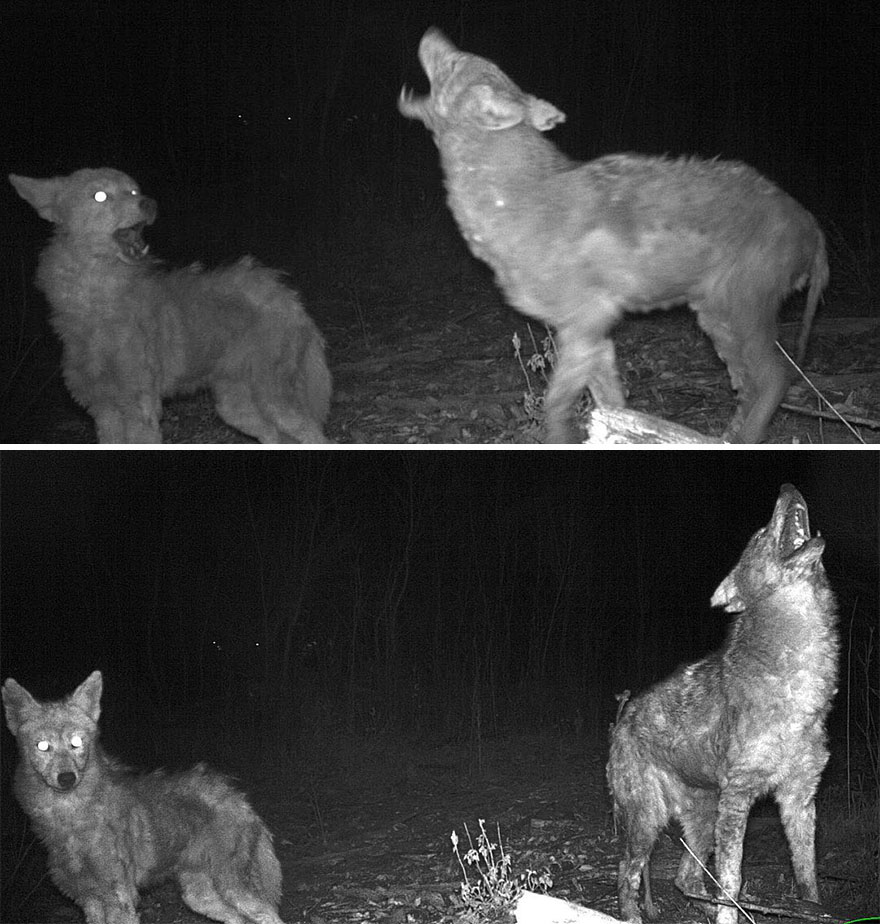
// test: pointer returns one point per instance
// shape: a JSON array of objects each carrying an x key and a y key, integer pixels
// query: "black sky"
[
  {"x": 291, "y": 105},
  {"x": 252, "y": 121},
  {"x": 142, "y": 564}
]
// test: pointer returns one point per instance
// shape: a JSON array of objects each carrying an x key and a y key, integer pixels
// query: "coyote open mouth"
[{"x": 132, "y": 246}]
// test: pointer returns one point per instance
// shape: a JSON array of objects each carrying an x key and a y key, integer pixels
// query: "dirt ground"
[
  {"x": 421, "y": 351},
  {"x": 365, "y": 836}
]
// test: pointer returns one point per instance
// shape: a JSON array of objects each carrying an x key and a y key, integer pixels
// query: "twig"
[
  {"x": 788, "y": 912},
  {"x": 732, "y": 900},
  {"x": 869, "y": 422},
  {"x": 818, "y": 393}
]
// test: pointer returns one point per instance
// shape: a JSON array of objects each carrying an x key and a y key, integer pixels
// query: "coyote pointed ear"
[
  {"x": 494, "y": 110},
  {"x": 40, "y": 194},
  {"x": 543, "y": 115},
  {"x": 19, "y": 704},
  {"x": 497, "y": 109},
  {"x": 87, "y": 696},
  {"x": 728, "y": 596}
]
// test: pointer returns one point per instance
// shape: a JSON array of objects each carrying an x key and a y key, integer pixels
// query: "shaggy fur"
[
  {"x": 578, "y": 244},
  {"x": 748, "y": 720},
  {"x": 110, "y": 832},
  {"x": 134, "y": 332}
]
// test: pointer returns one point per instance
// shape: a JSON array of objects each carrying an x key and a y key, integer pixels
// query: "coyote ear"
[
  {"x": 87, "y": 696},
  {"x": 18, "y": 703},
  {"x": 38, "y": 193},
  {"x": 543, "y": 115},
  {"x": 497, "y": 110},
  {"x": 728, "y": 595}
]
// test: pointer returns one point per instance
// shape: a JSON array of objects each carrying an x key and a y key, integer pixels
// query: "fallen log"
[
  {"x": 532, "y": 908},
  {"x": 616, "y": 426}
]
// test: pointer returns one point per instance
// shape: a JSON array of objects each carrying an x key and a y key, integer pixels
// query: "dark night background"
[
  {"x": 271, "y": 127},
  {"x": 167, "y": 570},
  {"x": 247, "y": 607},
  {"x": 289, "y": 107}
]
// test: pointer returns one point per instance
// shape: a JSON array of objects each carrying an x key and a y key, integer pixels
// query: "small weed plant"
[
  {"x": 491, "y": 887},
  {"x": 540, "y": 363}
]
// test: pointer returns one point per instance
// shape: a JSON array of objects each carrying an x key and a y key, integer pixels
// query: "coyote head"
[
  {"x": 55, "y": 739},
  {"x": 779, "y": 554},
  {"x": 469, "y": 90}
]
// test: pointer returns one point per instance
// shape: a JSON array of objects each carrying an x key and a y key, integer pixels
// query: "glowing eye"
[
  {"x": 100, "y": 196},
  {"x": 134, "y": 192},
  {"x": 76, "y": 741},
  {"x": 42, "y": 745}
]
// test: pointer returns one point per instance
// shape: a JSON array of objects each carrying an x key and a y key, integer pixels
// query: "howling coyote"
[
  {"x": 749, "y": 719},
  {"x": 578, "y": 244}
]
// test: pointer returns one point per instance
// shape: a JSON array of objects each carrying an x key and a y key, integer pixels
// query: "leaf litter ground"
[
  {"x": 365, "y": 836},
  {"x": 420, "y": 346}
]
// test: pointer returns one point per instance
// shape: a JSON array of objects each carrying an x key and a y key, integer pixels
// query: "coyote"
[
  {"x": 109, "y": 831},
  {"x": 135, "y": 332},
  {"x": 745, "y": 721},
  {"x": 578, "y": 244}
]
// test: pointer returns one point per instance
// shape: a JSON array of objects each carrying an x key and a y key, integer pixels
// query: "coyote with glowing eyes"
[
  {"x": 135, "y": 332},
  {"x": 110, "y": 831}
]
